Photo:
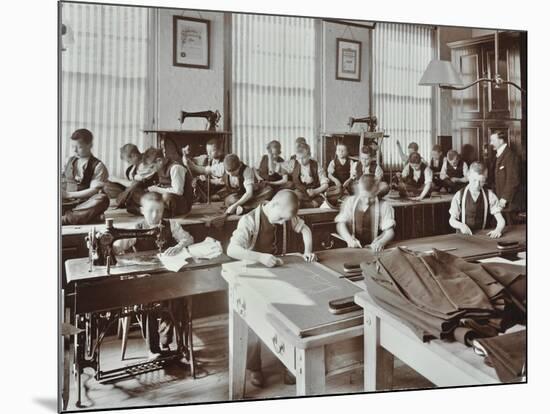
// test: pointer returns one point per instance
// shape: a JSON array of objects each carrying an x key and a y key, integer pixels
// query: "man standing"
[{"x": 507, "y": 176}]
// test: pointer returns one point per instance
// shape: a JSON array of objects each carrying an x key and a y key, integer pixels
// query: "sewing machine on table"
[
  {"x": 213, "y": 117},
  {"x": 104, "y": 288}
]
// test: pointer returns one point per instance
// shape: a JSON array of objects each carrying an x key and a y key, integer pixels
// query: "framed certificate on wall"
[
  {"x": 191, "y": 38},
  {"x": 348, "y": 60}
]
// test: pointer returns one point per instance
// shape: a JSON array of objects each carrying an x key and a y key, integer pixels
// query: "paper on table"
[
  {"x": 209, "y": 248},
  {"x": 175, "y": 262}
]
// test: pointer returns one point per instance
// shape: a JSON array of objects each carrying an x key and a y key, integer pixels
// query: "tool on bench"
[
  {"x": 503, "y": 245},
  {"x": 213, "y": 117},
  {"x": 344, "y": 305}
]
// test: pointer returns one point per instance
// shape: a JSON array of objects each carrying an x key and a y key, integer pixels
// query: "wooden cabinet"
[{"x": 484, "y": 108}]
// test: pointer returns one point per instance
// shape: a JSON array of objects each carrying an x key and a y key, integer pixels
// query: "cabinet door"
[
  {"x": 468, "y": 103},
  {"x": 468, "y": 133}
]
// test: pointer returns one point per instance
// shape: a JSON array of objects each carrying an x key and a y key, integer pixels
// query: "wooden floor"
[{"x": 174, "y": 385}]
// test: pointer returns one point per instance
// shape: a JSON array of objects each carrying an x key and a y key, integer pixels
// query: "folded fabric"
[{"x": 507, "y": 354}]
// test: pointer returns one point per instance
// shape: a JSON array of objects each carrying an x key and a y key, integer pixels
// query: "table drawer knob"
[
  {"x": 278, "y": 347},
  {"x": 241, "y": 307}
]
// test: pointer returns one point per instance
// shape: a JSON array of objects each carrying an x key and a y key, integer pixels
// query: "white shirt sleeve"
[
  {"x": 323, "y": 179},
  {"x": 494, "y": 207},
  {"x": 378, "y": 172},
  {"x": 405, "y": 171},
  {"x": 248, "y": 176},
  {"x": 346, "y": 210},
  {"x": 100, "y": 176},
  {"x": 177, "y": 178},
  {"x": 330, "y": 168},
  {"x": 387, "y": 219},
  {"x": 297, "y": 224},
  {"x": 455, "y": 210},
  {"x": 217, "y": 170},
  {"x": 242, "y": 235},
  {"x": 180, "y": 234},
  {"x": 443, "y": 172},
  {"x": 428, "y": 175}
]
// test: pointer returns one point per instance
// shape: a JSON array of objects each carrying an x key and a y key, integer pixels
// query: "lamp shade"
[{"x": 440, "y": 72}]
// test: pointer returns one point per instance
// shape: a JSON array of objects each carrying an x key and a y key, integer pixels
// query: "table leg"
[
  {"x": 189, "y": 304},
  {"x": 310, "y": 371},
  {"x": 378, "y": 361},
  {"x": 238, "y": 339}
]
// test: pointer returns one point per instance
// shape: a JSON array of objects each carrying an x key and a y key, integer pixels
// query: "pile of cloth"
[{"x": 443, "y": 296}]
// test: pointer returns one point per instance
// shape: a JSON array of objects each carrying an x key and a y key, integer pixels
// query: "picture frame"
[
  {"x": 191, "y": 42},
  {"x": 348, "y": 60}
]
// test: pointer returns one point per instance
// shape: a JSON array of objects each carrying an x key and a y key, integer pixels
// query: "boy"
[
  {"x": 158, "y": 336},
  {"x": 436, "y": 162},
  {"x": 208, "y": 167},
  {"x": 137, "y": 178},
  {"x": 175, "y": 185},
  {"x": 454, "y": 172},
  {"x": 416, "y": 179},
  {"x": 412, "y": 147},
  {"x": 364, "y": 219},
  {"x": 241, "y": 193},
  {"x": 367, "y": 165},
  {"x": 340, "y": 172},
  {"x": 271, "y": 169},
  {"x": 84, "y": 177},
  {"x": 507, "y": 176},
  {"x": 256, "y": 239},
  {"x": 309, "y": 180},
  {"x": 472, "y": 207}
]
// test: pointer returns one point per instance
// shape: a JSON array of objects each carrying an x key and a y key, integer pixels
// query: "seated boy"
[
  {"x": 256, "y": 239},
  {"x": 309, "y": 179},
  {"x": 436, "y": 163},
  {"x": 84, "y": 176},
  {"x": 415, "y": 181},
  {"x": 472, "y": 207},
  {"x": 365, "y": 220},
  {"x": 340, "y": 172},
  {"x": 158, "y": 336},
  {"x": 367, "y": 165},
  {"x": 412, "y": 147},
  {"x": 241, "y": 193},
  {"x": 207, "y": 168},
  {"x": 454, "y": 172},
  {"x": 272, "y": 169},
  {"x": 137, "y": 178},
  {"x": 174, "y": 183}
]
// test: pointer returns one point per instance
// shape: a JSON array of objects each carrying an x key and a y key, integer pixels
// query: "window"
[
  {"x": 104, "y": 78},
  {"x": 273, "y": 85},
  {"x": 401, "y": 53}
]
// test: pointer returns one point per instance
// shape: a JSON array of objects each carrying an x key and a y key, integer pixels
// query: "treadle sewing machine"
[
  {"x": 104, "y": 288},
  {"x": 213, "y": 117}
]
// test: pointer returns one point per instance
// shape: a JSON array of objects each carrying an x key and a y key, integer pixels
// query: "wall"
[
  {"x": 188, "y": 89},
  {"x": 342, "y": 99},
  {"x": 447, "y": 35}
]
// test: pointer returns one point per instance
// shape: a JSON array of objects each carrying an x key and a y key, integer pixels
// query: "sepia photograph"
[{"x": 259, "y": 206}]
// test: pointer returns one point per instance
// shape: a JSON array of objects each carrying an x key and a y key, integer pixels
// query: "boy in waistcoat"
[
  {"x": 474, "y": 207},
  {"x": 309, "y": 179},
  {"x": 272, "y": 168},
  {"x": 159, "y": 336},
  {"x": 364, "y": 219},
  {"x": 454, "y": 172},
  {"x": 208, "y": 167},
  {"x": 436, "y": 163},
  {"x": 368, "y": 165},
  {"x": 412, "y": 147},
  {"x": 84, "y": 177},
  {"x": 257, "y": 238},
  {"x": 174, "y": 183},
  {"x": 241, "y": 192},
  {"x": 416, "y": 178},
  {"x": 339, "y": 172}
]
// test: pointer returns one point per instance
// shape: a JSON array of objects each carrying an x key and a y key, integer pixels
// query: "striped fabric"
[
  {"x": 401, "y": 53},
  {"x": 273, "y": 85},
  {"x": 104, "y": 78}
]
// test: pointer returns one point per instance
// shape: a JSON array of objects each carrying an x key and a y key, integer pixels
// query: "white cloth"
[
  {"x": 248, "y": 227},
  {"x": 360, "y": 202},
  {"x": 178, "y": 233},
  {"x": 428, "y": 174}
]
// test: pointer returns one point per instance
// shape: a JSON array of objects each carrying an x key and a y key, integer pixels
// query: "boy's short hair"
[
  {"x": 231, "y": 162},
  {"x": 273, "y": 143},
  {"x": 304, "y": 149},
  {"x": 452, "y": 155},
  {"x": 415, "y": 158},
  {"x": 301, "y": 140},
  {"x": 437, "y": 148},
  {"x": 128, "y": 150},
  {"x": 413, "y": 146},
  {"x": 151, "y": 196},
  {"x": 341, "y": 144},
  {"x": 501, "y": 135},
  {"x": 152, "y": 154},
  {"x": 83, "y": 135},
  {"x": 478, "y": 167},
  {"x": 213, "y": 142}
]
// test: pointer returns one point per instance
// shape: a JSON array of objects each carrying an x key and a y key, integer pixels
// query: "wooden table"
[
  {"x": 99, "y": 299},
  {"x": 310, "y": 358},
  {"x": 446, "y": 364}
]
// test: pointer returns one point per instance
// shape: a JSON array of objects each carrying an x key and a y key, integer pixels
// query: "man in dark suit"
[{"x": 507, "y": 176}]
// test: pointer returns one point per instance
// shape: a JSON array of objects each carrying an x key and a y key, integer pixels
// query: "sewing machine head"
[
  {"x": 213, "y": 117},
  {"x": 371, "y": 122},
  {"x": 100, "y": 244}
]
